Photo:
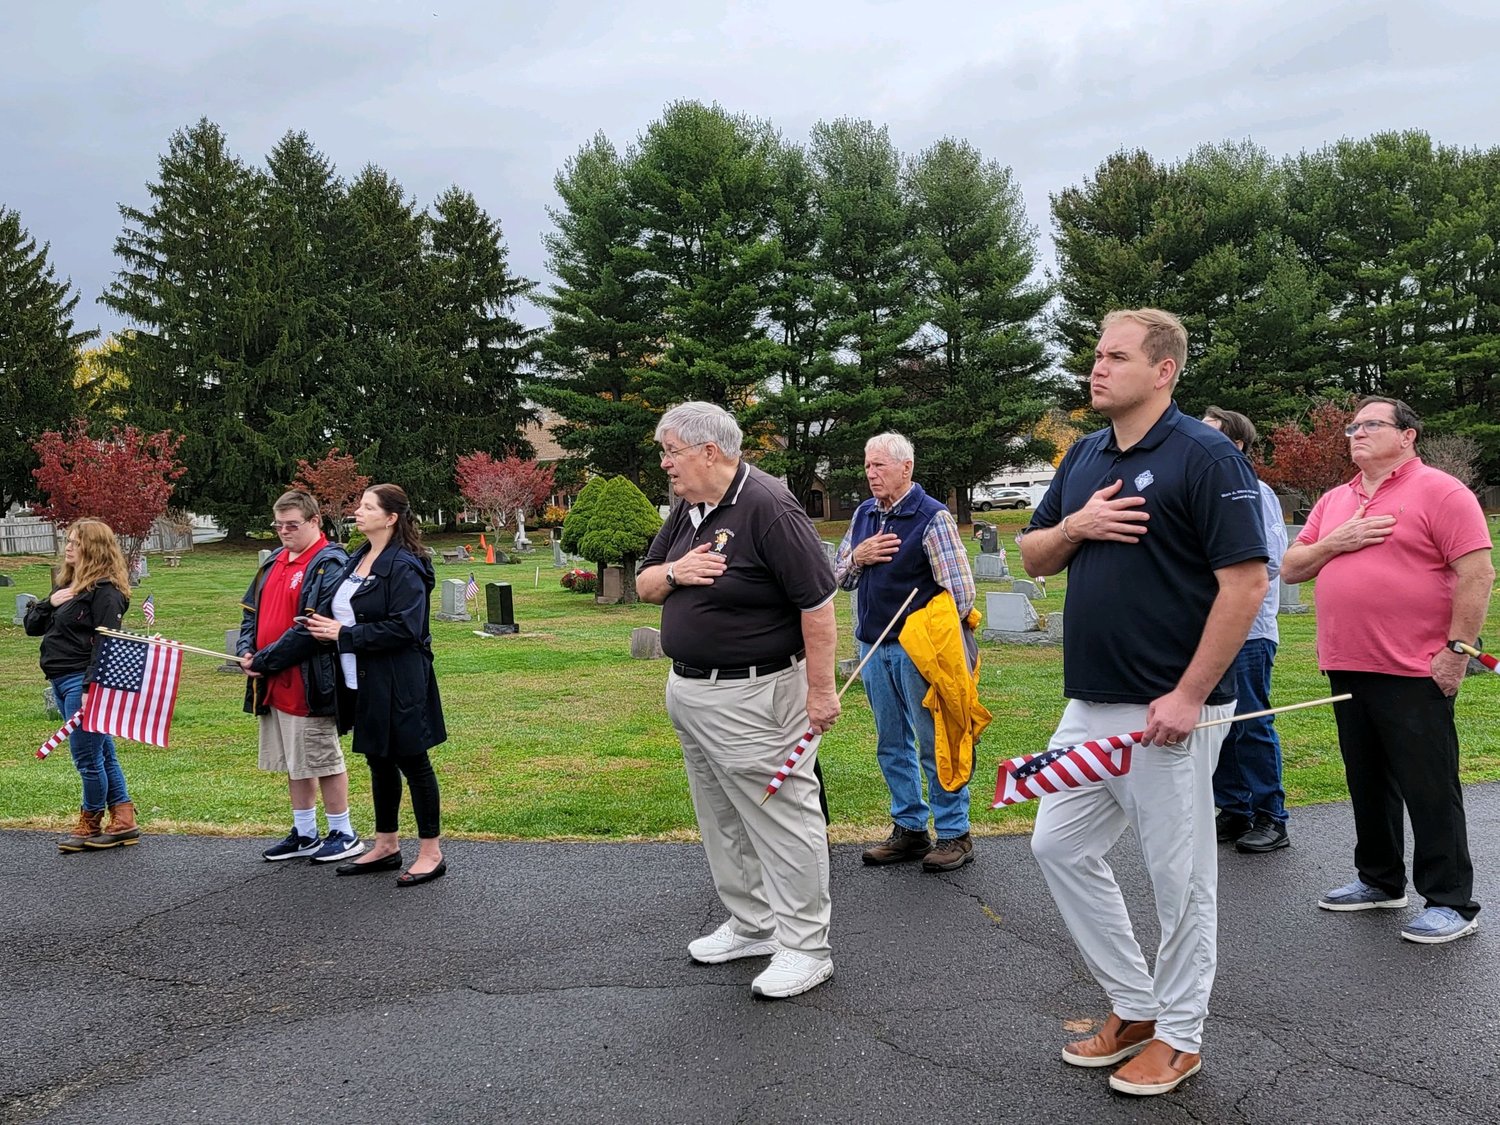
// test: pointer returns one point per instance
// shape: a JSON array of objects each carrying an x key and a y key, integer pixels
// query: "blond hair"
[
  {"x": 97, "y": 559},
  {"x": 1165, "y": 338}
]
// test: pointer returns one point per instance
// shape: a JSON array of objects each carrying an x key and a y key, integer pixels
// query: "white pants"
[
  {"x": 1167, "y": 797},
  {"x": 769, "y": 862}
]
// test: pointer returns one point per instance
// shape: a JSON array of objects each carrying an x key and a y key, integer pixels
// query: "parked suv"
[{"x": 987, "y": 498}]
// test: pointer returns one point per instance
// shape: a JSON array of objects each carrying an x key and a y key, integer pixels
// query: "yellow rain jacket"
[{"x": 933, "y": 637}]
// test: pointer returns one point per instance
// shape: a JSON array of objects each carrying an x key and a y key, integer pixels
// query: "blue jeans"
[
  {"x": 1248, "y": 780},
  {"x": 93, "y": 754},
  {"x": 905, "y": 744}
]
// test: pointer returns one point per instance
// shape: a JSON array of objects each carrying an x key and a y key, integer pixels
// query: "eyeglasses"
[
  {"x": 1369, "y": 424},
  {"x": 286, "y": 525},
  {"x": 673, "y": 454}
]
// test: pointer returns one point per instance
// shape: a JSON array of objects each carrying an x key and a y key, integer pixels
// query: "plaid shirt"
[{"x": 945, "y": 554}]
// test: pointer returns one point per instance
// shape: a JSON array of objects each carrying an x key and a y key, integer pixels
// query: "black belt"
[{"x": 691, "y": 673}]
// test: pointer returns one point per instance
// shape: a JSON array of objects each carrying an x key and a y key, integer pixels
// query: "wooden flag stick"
[
  {"x": 164, "y": 641},
  {"x": 854, "y": 675},
  {"x": 1275, "y": 710}
]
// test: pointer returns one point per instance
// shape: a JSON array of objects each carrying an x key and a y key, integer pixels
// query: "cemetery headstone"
[
  {"x": 6, "y": 580},
  {"x": 1291, "y": 599},
  {"x": 1027, "y": 587},
  {"x": 231, "y": 643},
  {"x": 500, "y": 609},
  {"x": 51, "y": 702},
  {"x": 990, "y": 568},
  {"x": 264, "y": 555},
  {"x": 611, "y": 586},
  {"x": 558, "y": 559},
  {"x": 846, "y": 668},
  {"x": 645, "y": 643},
  {"x": 23, "y": 603},
  {"x": 989, "y": 538},
  {"x": 455, "y": 606}
]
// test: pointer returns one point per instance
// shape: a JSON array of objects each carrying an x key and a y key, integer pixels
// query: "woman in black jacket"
[
  {"x": 377, "y": 617},
  {"x": 93, "y": 589}
]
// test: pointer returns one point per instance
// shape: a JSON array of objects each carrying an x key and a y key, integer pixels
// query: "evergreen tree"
[
  {"x": 477, "y": 403},
  {"x": 621, "y": 525},
  {"x": 702, "y": 185},
  {"x": 978, "y": 396},
  {"x": 206, "y": 356},
  {"x": 38, "y": 353},
  {"x": 606, "y": 311}
]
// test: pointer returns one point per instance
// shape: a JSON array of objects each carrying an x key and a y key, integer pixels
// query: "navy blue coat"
[{"x": 396, "y": 710}]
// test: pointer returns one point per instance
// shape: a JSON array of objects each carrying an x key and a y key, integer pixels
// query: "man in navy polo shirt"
[{"x": 1157, "y": 520}]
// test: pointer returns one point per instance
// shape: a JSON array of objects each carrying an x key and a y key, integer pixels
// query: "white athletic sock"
[
  {"x": 305, "y": 822},
  {"x": 339, "y": 822}
]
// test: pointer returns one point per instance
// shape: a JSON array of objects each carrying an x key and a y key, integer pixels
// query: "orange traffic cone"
[
  {"x": 482, "y": 543},
  {"x": 489, "y": 553}
]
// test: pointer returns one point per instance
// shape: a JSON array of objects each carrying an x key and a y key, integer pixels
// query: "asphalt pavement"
[{"x": 185, "y": 979}]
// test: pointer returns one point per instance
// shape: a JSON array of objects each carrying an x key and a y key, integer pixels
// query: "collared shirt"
[
  {"x": 943, "y": 545},
  {"x": 1135, "y": 612},
  {"x": 1266, "y": 626},
  {"x": 1387, "y": 607}
]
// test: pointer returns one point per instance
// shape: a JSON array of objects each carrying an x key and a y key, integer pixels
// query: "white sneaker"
[
  {"x": 790, "y": 974},
  {"x": 724, "y": 944}
]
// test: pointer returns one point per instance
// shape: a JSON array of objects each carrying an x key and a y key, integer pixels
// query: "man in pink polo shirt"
[{"x": 1402, "y": 557}]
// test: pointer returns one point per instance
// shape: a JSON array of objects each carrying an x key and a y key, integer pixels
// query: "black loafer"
[
  {"x": 384, "y": 863},
  {"x": 1266, "y": 835},
  {"x": 407, "y": 879}
]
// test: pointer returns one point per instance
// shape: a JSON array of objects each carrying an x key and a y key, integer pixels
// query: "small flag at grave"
[
  {"x": 148, "y": 609},
  {"x": 471, "y": 591}
]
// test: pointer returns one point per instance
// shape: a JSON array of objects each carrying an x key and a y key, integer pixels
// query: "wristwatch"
[
  {"x": 671, "y": 578},
  {"x": 1459, "y": 646}
]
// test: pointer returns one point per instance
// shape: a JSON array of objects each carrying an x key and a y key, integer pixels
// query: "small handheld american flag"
[
  {"x": 1067, "y": 767},
  {"x": 134, "y": 689}
]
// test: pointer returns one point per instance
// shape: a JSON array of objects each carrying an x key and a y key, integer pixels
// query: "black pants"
[
  {"x": 1400, "y": 747},
  {"x": 385, "y": 787}
]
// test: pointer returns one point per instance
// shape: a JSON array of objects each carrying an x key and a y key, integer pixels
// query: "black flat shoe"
[
  {"x": 407, "y": 879},
  {"x": 384, "y": 863}
]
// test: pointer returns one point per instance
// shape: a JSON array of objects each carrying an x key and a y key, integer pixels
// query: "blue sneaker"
[
  {"x": 1438, "y": 924},
  {"x": 338, "y": 845},
  {"x": 293, "y": 847},
  {"x": 1360, "y": 896}
]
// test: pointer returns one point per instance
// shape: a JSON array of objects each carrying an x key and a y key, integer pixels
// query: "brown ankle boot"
[
  {"x": 121, "y": 829},
  {"x": 87, "y": 826}
]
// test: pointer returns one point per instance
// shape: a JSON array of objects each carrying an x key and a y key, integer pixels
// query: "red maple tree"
[
  {"x": 124, "y": 479},
  {"x": 337, "y": 485},
  {"x": 501, "y": 488},
  {"x": 1309, "y": 461}
]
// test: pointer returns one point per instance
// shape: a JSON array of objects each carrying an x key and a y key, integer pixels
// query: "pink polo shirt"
[{"x": 1386, "y": 608}]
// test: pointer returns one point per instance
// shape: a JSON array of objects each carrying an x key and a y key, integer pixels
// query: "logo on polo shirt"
[
  {"x": 1144, "y": 480},
  {"x": 721, "y": 539},
  {"x": 296, "y": 579}
]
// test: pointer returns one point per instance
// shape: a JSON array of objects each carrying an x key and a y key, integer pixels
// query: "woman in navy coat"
[{"x": 377, "y": 618}]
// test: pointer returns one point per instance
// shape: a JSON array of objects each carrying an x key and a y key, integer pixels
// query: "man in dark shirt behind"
[
  {"x": 747, "y": 618},
  {"x": 1157, "y": 520}
]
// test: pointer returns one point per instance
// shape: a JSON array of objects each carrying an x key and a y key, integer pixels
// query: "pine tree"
[
  {"x": 204, "y": 355},
  {"x": 978, "y": 396},
  {"x": 606, "y": 307},
  {"x": 38, "y": 353},
  {"x": 622, "y": 523}
]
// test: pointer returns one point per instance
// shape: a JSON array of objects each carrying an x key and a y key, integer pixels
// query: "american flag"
[
  {"x": 148, "y": 609},
  {"x": 805, "y": 744},
  {"x": 1067, "y": 767},
  {"x": 472, "y": 590},
  {"x": 134, "y": 690}
]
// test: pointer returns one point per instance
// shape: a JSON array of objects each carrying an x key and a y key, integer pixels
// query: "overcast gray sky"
[{"x": 494, "y": 97}]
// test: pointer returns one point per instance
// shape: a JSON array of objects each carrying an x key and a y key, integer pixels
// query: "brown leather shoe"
[
  {"x": 1117, "y": 1039},
  {"x": 949, "y": 855},
  {"x": 902, "y": 844},
  {"x": 121, "y": 829},
  {"x": 1159, "y": 1069},
  {"x": 88, "y": 825}
]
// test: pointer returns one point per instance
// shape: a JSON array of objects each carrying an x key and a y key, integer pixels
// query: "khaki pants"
[
  {"x": 1167, "y": 797},
  {"x": 769, "y": 862}
]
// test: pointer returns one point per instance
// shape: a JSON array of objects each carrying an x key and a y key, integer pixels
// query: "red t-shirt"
[{"x": 279, "y": 599}]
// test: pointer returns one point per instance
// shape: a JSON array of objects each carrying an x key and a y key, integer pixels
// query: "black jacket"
[
  {"x": 295, "y": 646},
  {"x": 67, "y": 631},
  {"x": 396, "y": 710}
]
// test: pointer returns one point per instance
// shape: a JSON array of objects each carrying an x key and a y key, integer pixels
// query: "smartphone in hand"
[{"x": 302, "y": 619}]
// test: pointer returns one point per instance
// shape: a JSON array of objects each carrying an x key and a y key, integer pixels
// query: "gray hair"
[
  {"x": 894, "y": 444},
  {"x": 697, "y": 423}
]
